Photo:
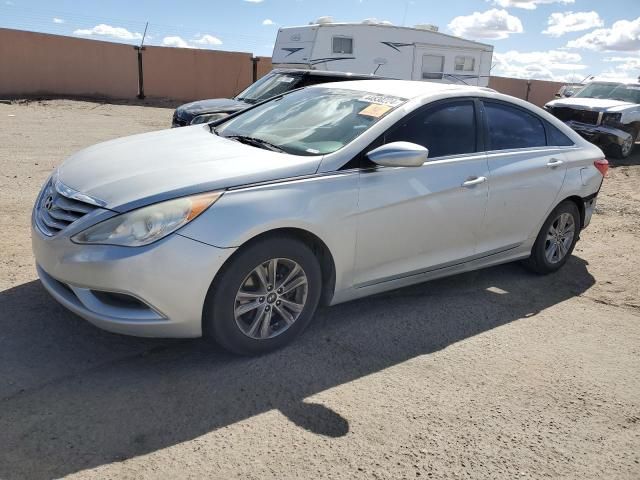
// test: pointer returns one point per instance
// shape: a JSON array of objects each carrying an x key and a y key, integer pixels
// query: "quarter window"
[
  {"x": 342, "y": 45},
  {"x": 556, "y": 138},
  {"x": 447, "y": 129},
  {"x": 511, "y": 127},
  {"x": 432, "y": 67},
  {"x": 465, "y": 64}
]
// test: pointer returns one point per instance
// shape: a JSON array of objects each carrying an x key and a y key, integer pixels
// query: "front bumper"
[
  {"x": 600, "y": 134},
  {"x": 153, "y": 291},
  {"x": 180, "y": 120}
]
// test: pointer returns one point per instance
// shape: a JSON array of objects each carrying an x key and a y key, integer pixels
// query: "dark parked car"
[{"x": 275, "y": 83}]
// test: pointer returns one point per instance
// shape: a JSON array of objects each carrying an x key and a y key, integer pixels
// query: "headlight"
[
  {"x": 611, "y": 118},
  {"x": 209, "y": 117},
  {"x": 148, "y": 224}
]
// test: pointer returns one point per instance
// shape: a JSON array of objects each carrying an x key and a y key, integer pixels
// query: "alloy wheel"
[
  {"x": 271, "y": 298},
  {"x": 559, "y": 238},
  {"x": 627, "y": 146}
]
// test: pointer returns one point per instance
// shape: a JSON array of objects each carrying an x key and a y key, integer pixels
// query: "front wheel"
[
  {"x": 623, "y": 151},
  {"x": 264, "y": 297},
  {"x": 556, "y": 239}
]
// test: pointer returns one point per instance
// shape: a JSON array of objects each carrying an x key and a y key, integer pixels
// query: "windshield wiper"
[{"x": 256, "y": 142}]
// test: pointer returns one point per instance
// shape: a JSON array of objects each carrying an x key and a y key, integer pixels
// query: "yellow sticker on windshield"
[{"x": 375, "y": 110}]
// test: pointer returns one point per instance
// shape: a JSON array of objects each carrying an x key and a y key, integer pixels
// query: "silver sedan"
[{"x": 239, "y": 229}]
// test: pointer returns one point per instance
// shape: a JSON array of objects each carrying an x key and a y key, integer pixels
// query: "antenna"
[
  {"x": 404, "y": 16},
  {"x": 144, "y": 34}
]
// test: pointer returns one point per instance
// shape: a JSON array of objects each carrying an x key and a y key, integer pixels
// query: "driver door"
[{"x": 415, "y": 219}]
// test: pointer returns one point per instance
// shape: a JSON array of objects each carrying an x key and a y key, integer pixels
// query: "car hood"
[
  {"x": 595, "y": 104},
  {"x": 141, "y": 169},
  {"x": 213, "y": 105}
]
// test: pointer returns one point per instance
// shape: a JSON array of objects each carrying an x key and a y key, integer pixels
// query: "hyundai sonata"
[{"x": 238, "y": 230}]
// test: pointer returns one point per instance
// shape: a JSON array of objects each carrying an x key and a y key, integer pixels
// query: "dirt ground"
[{"x": 491, "y": 374}]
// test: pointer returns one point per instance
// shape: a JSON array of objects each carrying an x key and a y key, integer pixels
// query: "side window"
[
  {"x": 556, "y": 138},
  {"x": 432, "y": 67},
  {"x": 446, "y": 129},
  {"x": 511, "y": 127},
  {"x": 342, "y": 45},
  {"x": 465, "y": 64}
]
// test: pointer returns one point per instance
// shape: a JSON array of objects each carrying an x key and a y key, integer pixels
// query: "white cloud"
[
  {"x": 58, "y": 20},
  {"x": 175, "y": 41},
  {"x": 254, "y": 1},
  {"x": 267, "y": 21},
  {"x": 627, "y": 68},
  {"x": 109, "y": 31},
  {"x": 207, "y": 39},
  {"x": 624, "y": 35},
  {"x": 561, "y": 23},
  {"x": 527, "y": 4},
  {"x": 540, "y": 65},
  {"x": 493, "y": 24},
  {"x": 201, "y": 41}
]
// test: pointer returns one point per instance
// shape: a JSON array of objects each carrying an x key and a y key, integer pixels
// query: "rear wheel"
[
  {"x": 556, "y": 239},
  {"x": 264, "y": 297}
]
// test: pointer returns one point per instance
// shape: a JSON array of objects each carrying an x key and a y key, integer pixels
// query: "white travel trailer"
[{"x": 418, "y": 53}]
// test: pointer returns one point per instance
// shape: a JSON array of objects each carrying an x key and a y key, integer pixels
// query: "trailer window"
[
  {"x": 342, "y": 45},
  {"x": 465, "y": 64},
  {"x": 432, "y": 67}
]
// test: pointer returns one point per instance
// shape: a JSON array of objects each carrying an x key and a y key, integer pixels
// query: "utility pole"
[
  {"x": 254, "y": 61},
  {"x": 139, "y": 49}
]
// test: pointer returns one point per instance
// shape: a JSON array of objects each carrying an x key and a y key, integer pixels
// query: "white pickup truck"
[{"x": 605, "y": 113}]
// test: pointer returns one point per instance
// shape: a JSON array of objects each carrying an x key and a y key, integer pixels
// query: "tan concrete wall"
[
  {"x": 540, "y": 91},
  {"x": 37, "y": 63},
  {"x": 41, "y": 64},
  {"x": 190, "y": 74}
]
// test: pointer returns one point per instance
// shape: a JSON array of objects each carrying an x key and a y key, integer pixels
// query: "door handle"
[
  {"x": 471, "y": 181},
  {"x": 554, "y": 162}
]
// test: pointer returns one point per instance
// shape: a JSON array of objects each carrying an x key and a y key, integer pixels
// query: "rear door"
[
  {"x": 526, "y": 175},
  {"x": 416, "y": 219}
]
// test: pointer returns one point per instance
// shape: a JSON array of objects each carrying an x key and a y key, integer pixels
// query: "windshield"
[
  {"x": 268, "y": 86},
  {"x": 626, "y": 93},
  {"x": 312, "y": 121},
  {"x": 597, "y": 90}
]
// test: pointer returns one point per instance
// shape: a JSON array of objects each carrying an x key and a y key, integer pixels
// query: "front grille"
[
  {"x": 569, "y": 114},
  {"x": 55, "y": 211}
]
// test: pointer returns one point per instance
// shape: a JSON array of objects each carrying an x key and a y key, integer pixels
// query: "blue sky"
[{"x": 547, "y": 39}]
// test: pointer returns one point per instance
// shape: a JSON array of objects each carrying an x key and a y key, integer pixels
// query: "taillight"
[{"x": 602, "y": 165}]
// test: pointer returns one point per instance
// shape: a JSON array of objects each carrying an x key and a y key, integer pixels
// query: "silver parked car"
[{"x": 239, "y": 229}]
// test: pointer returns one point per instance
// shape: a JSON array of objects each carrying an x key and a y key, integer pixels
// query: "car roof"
[
  {"x": 325, "y": 73},
  {"x": 405, "y": 88}
]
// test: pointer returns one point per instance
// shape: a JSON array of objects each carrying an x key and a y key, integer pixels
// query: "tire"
[
  {"x": 240, "y": 287},
  {"x": 623, "y": 151},
  {"x": 539, "y": 260}
]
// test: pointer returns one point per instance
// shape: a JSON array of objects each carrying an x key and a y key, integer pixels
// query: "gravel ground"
[{"x": 490, "y": 374}]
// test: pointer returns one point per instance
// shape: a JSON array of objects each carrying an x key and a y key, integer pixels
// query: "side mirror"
[
  {"x": 399, "y": 154},
  {"x": 568, "y": 94}
]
